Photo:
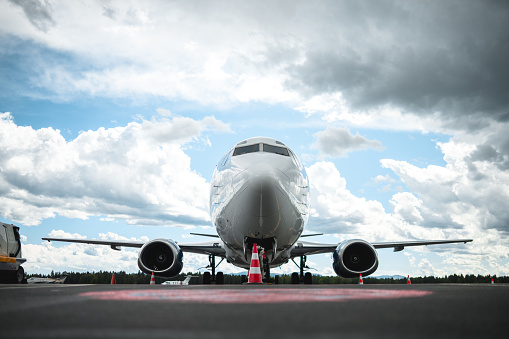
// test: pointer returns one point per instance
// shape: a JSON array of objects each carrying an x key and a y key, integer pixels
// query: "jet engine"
[
  {"x": 161, "y": 256},
  {"x": 354, "y": 257}
]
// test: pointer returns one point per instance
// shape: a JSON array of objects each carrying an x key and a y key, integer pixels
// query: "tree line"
[{"x": 104, "y": 277}]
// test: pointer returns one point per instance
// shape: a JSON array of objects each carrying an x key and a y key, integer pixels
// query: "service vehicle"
[{"x": 10, "y": 255}]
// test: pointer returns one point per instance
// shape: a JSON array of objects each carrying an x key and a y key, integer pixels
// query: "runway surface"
[{"x": 272, "y": 311}]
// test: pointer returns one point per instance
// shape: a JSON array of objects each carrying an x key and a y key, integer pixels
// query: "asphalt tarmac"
[{"x": 267, "y": 311}]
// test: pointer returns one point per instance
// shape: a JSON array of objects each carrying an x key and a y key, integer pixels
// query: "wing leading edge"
[
  {"x": 209, "y": 248},
  {"x": 113, "y": 244},
  {"x": 301, "y": 248},
  {"x": 308, "y": 248},
  {"x": 399, "y": 246}
]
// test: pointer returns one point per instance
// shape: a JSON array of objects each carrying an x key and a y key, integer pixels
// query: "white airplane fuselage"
[
  {"x": 183, "y": 282},
  {"x": 259, "y": 194}
]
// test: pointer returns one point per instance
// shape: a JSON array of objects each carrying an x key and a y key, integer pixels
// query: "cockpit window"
[
  {"x": 275, "y": 149},
  {"x": 246, "y": 149},
  {"x": 265, "y": 148}
]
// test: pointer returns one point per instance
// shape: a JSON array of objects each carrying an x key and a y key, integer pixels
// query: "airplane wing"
[
  {"x": 307, "y": 248},
  {"x": 209, "y": 248},
  {"x": 113, "y": 244},
  {"x": 399, "y": 246}
]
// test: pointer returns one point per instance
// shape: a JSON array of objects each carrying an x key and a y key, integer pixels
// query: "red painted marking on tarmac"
[{"x": 254, "y": 296}]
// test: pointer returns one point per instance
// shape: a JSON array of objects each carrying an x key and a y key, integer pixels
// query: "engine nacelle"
[
  {"x": 161, "y": 256},
  {"x": 354, "y": 257}
]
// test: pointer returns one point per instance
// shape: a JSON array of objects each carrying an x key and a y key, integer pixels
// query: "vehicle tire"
[
  {"x": 206, "y": 278},
  {"x": 308, "y": 278},
  {"x": 295, "y": 278},
  {"x": 18, "y": 276},
  {"x": 219, "y": 278}
]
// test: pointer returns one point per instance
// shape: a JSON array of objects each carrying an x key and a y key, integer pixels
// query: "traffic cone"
[
  {"x": 492, "y": 281},
  {"x": 255, "y": 274},
  {"x": 152, "y": 279},
  {"x": 113, "y": 282},
  {"x": 360, "y": 280},
  {"x": 408, "y": 282}
]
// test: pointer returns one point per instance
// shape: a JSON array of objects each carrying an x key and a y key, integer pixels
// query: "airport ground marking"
[{"x": 254, "y": 296}]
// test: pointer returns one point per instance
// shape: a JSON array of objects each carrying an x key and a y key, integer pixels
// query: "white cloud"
[
  {"x": 435, "y": 208},
  {"x": 37, "y": 12},
  {"x": 413, "y": 70},
  {"x": 337, "y": 142},
  {"x": 334, "y": 209},
  {"x": 63, "y": 234},
  {"x": 113, "y": 236},
  {"x": 59, "y": 257},
  {"x": 47, "y": 257},
  {"x": 414, "y": 67},
  {"x": 138, "y": 173},
  {"x": 164, "y": 112},
  {"x": 467, "y": 198},
  {"x": 467, "y": 191},
  {"x": 426, "y": 268}
]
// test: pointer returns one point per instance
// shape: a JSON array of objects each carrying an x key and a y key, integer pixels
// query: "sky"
[{"x": 113, "y": 115}]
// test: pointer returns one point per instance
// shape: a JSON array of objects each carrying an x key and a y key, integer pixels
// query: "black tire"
[
  {"x": 206, "y": 278},
  {"x": 308, "y": 278},
  {"x": 18, "y": 276},
  {"x": 295, "y": 278},
  {"x": 219, "y": 278}
]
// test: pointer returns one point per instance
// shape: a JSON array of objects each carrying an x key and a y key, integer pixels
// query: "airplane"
[
  {"x": 184, "y": 282},
  {"x": 259, "y": 194},
  {"x": 37, "y": 280}
]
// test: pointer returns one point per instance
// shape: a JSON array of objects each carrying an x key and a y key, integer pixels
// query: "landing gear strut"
[
  {"x": 209, "y": 277},
  {"x": 266, "y": 269},
  {"x": 297, "y": 278}
]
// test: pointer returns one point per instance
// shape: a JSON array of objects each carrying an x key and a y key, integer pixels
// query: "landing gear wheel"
[
  {"x": 206, "y": 278},
  {"x": 295, "y": 278},
  {"x": 308, "y": 278},
  {"x": 219, "y": 278}
]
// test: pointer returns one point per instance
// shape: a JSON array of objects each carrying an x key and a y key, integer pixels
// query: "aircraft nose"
[
  {"x": 262, "y": 194},
  {"x": 263, "y": 182},
  {"x": 262, "y": 197}
]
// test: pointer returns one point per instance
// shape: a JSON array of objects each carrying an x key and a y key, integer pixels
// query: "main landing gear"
[
  {"x": 297, "y": 278},
  {"x": 210, "y": 277}
]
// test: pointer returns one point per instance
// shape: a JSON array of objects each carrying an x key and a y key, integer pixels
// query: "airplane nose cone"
[
  {"x": 262, "y": 199},
  {"x": 262, "y": 189},
  {"x": 261, "y": 193}
]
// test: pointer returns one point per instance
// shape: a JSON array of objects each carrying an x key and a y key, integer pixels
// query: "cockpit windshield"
[
  {"x": 246, "y": 149},
  {"x": 275, "y": 149},
  {"x": 265, "y": 148}
]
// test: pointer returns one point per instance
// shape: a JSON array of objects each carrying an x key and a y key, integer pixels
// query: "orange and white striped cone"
[
  {"x": 492, "y": 281},
  {"x": 113, "y": 282},
  {"x": 360, "y": 280},
  {"x": 408, "y": 282},
  {"x": 153, "y": 279},
  {"x": 255, "y": 274}
]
